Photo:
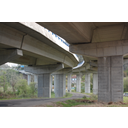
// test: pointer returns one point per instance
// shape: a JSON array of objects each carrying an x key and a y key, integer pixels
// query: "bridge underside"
[{"x": 104, "y": 43}]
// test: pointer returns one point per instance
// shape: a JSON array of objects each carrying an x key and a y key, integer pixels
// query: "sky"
[{"x": 11, "y": 64}]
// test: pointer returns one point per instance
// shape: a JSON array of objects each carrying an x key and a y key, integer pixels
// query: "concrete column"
[
  {"x": 51, "y": 83},
  {"x": 36, "y": 80},
  {"x": 110, "y": 79},
  {"x": 95, "y": 83},
  {"x": 69, "y": 82},
  {"x": 29, "y": 79},
  {"x": 64, "y": 84},
  {"x": 44, "y": 87},
  {"x": 87, "y": 83},
  {"x": 54, "y": 83},
  {"x": 78, "y": 83},
  {"x": 60, "y": 85}
]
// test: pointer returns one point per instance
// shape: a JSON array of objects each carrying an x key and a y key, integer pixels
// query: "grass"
[
  {"x": 90, "y": 101},
  {"x": 84, "y": 101},
  {"x": 125, "y": 99},
  {"x": 89, "y": 94},
  {"x": 12, "y": 97},
  {"x": 68, "y": 103}
]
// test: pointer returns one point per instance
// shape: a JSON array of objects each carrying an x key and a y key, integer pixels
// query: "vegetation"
[
  {"x": 84, "y": 101},
  {"x": 13, "y": 85}
]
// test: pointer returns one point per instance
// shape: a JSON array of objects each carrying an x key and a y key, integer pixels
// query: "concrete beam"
[
  {"x": 63, "y": 71},
  {"x": 10, "y": 55},
  {"x": 101, "y": 49},
  {"x": 43, "y": 69},
  {"x": 73, "y": 32}
]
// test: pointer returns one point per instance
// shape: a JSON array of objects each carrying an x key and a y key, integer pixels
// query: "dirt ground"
[
  {"x": 102, "y": 105},
  {"x": 95, "y": 104}
]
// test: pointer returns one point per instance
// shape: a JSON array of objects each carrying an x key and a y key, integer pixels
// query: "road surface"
[{"x": 36, "y": 102}]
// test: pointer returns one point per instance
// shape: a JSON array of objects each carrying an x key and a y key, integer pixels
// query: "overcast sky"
[{"x": 11, "y": 64}]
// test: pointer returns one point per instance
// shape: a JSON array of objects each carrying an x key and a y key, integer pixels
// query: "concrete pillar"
[
  {"x": 78, "y": 83},
  {"x": 29, "y": 79},
  {"x": 44, "y": 86},
  {"x": 87, "y": 83},
  {"x": 51, "y": 83},
  {"x": 36, "y": 80},
  {"x": 69, "y": 82},
  {"x": 44, "y": 77},
  {"x": 95, "y": 83},
  {"x": 110, "y": 79},
  {"x": 54, "y": 83},
  {"x": 64, "y": 84},
  {"x": 60, "y": 85}
]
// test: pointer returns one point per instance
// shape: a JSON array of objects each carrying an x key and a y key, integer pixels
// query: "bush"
[
  {"x": 82, "y": 87},
  {"x": 33, "y": 90},
  {"x": 125, "y": 84},
  {"x": 22, "y": 87}
]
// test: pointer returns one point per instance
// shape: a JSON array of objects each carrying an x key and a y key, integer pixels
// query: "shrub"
[
  {"x": 22, "y": 87},
  {"x": 33, "y": 90}
]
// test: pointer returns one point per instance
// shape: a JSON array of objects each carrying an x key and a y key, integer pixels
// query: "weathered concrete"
[
  {"x": 41, "y": 69},
  {"x": 87, "y": 83},
  {"x": 44, "y": 87},
  {"x": 29, "y": 79},
  {"x": 110, "y": 79},
  {"x": 51, "y": 83},
  {"x": 39, "y": 46},
  {"x": 10, "y": 55},
  {"x": 78, "y": 83},
  {"x": 95, "y": 83},
  {"x": 54, "y": 83},
  {"x": 60, "y": 85},
  {"x": 69, "y": 82},
  {"x": 44, "y": 77},
  {"x": 36, "y": 80}
]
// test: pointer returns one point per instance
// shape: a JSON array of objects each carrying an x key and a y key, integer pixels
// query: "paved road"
[{"x": 36, "y": 102}]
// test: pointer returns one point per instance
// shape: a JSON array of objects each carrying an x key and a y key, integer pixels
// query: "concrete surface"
[
  {"x": 87, "y": 83},
  {"x": 78, "y": 82},
  {"x": 95, "y": 83},
  {"x": 110, "y": 79},
  {"x": 59, "y": 90}
]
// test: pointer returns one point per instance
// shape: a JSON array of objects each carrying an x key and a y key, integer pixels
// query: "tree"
[
  {"x": 3, "y": 81},
  {"x": 13, "y": 77}
]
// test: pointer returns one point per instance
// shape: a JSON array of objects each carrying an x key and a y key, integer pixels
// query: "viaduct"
[{"x": 104, "y": 47}]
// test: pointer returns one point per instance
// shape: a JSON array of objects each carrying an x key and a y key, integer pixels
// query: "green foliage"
[
  {"x": 75, "y": 89},
  {"x": 91, "y": 97},
  {"x": 13, "y": 77},
  {"x": 3, "y": 81},
  {"x": 68, "y": 103},
  {"x": 22, "y": 87},
  {"x": 68, "y": 95},
  {"x": 33, "y": 90},
  {"x": 125, "y": 84},
  {"x": 91, "y": 82},
  {"x": 82, "y": 87}
]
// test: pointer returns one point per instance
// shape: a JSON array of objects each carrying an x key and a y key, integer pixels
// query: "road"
[{"x": 36, "y": 102}]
